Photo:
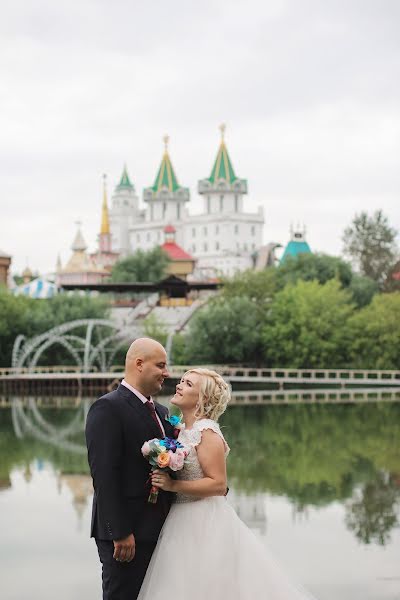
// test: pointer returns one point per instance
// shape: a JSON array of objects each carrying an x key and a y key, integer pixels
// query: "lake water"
[{"x": 319, "y": 483}]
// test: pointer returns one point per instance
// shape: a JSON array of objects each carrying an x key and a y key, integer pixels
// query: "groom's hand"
[{"x": 124, "y": 550}]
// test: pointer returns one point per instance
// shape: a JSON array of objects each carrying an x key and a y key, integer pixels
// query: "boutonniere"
[{"x": 176, "y": 423}]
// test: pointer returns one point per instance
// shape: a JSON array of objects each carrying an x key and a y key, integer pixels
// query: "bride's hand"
[{"x": 162, "y": 480}]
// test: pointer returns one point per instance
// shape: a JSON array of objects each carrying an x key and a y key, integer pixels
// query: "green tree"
[
  {"x": 179, "y": 351},
  {"x": 323, "y": 268},
  {"x": 306, "y": 326},
  {"x": 257, "y": 286},
  {"x": 141, "y": 266},
  {"x": 370, "y": 243},
  {"x": 362, "y": 289},
  {"x": 314, "y": 267},
  {"x": 225, "y": 331},
  {"x": 28, "y": 316},
  {"x": 16, "y": 314},
  {"x": 374, "y": 334},
  {"x": 155, "y": 328},
  {"x": 392, "y": 283}
]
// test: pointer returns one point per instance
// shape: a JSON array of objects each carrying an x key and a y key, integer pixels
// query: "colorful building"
[
  {"x": 222, "y": 239},
  {"x": 181, "y": 262}
]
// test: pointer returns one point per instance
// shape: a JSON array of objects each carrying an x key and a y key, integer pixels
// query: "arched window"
[{"x": 221, "y": 203}]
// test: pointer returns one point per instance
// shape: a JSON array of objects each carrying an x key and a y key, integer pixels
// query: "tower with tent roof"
[
  {"x": 166, "y": 199},
  {"x": 225, "y": 236},
  {"x": 104, "y": 256},
  {"x": 123, "y": 214}
]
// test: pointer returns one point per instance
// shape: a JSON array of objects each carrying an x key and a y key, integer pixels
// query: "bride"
[{"x": 205, "y": 552}]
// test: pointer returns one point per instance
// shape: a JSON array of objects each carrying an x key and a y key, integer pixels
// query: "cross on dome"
[{"x": 166, "y": 141}]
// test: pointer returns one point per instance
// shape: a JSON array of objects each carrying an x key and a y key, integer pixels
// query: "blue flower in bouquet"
[{"x": 171, "y": 444}]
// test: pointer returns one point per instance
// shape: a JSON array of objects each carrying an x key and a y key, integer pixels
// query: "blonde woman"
[{"x": 205, "y": 552}]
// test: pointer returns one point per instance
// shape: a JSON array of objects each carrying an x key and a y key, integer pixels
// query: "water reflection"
[
  {"x": 81, "y": 490},
  {"x": 313, "y": 455},
  {"x": 316, "y": 455},
  {"x": 251, "y": 509},
  {"x": 27, "y": 419},
  {"x": 374, "y": 509}
]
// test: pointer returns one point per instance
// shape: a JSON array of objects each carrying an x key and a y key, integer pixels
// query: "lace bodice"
[{"x": 192, "y": 438}]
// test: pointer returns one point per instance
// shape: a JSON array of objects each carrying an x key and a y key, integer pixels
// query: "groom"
[{"x": 124, "y": 525}]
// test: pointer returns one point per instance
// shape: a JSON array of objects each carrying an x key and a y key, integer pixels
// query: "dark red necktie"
[{"x": 152, "y": 410}]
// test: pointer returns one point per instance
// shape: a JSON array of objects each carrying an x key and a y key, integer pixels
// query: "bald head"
[
  {"x": 143, "y": 348},
  {"x": 146, "y": 366}
]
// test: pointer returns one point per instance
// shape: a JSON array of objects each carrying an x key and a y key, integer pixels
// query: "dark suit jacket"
[{"x": 117, "y": 425}]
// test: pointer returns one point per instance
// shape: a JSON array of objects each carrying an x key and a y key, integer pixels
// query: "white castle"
[{"x": 223, "y": 238}]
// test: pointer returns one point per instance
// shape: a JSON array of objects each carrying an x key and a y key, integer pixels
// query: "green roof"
[
  {"x": 222, "y": 167},
  {"x": 125, "y": 181},
  {"x": 294, "y": 248},
  {"x": 166, "y": 177}
]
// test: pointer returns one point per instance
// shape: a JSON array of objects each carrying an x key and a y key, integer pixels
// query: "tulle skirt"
[{"x": 205, "y": 552}]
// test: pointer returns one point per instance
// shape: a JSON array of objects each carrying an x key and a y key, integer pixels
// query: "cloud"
[{"x": 309, "y": 91}]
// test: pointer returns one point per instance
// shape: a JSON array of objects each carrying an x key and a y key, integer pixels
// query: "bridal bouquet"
[{"x": 164, "y": 454}]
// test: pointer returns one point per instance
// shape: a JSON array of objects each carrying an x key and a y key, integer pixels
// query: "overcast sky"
[{"x": 309, "y": 90}]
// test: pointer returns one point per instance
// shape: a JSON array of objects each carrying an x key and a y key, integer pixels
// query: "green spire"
[
  {"x": 166, "y": 176},
  {"x": 222, "y": 167},
  {"x": 125, "y": 181}
]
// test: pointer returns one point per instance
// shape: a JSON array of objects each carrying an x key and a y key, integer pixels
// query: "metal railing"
[{"x": 234, "y": 374}]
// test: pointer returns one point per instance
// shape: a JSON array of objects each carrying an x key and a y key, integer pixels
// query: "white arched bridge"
[{"x": 91, "y": 343}]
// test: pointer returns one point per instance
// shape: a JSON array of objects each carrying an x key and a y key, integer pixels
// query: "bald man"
[{"x": 125, "y": 526}]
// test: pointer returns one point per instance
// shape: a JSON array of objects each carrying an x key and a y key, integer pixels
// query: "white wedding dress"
[{"x": 205, "y": 552}]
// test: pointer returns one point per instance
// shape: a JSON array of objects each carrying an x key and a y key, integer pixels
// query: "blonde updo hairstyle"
[{"x": 214, "y": 394}]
